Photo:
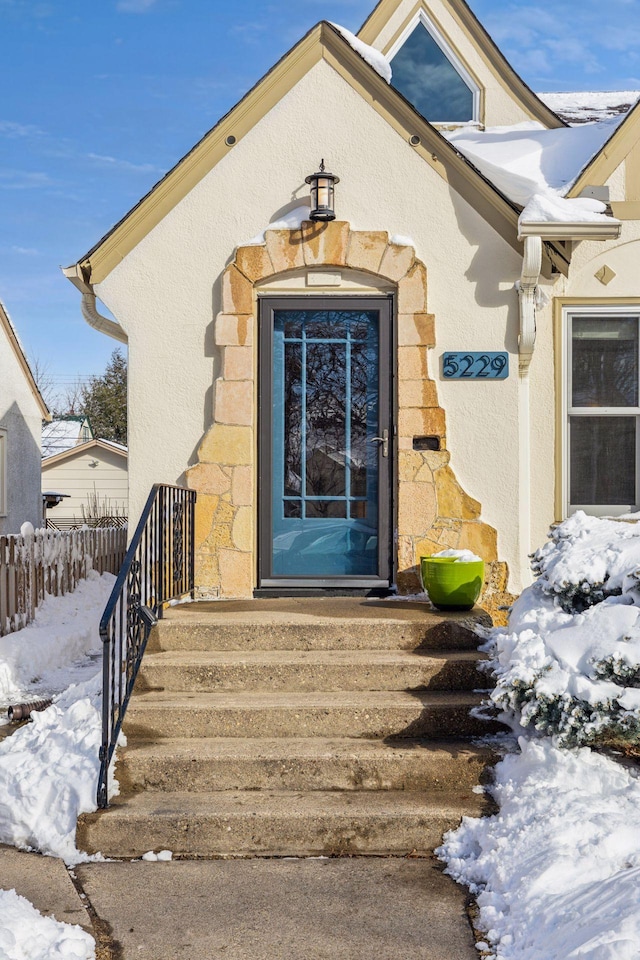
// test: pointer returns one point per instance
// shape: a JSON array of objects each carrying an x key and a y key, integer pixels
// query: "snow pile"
[
  {"x": 26, "y": 935},
  {"x": 590, "y": 107},
  {"x": 292, "y": 220},
  {"x": 461, "y": 556},
  {"x": 535, "y": 167},
  {"x": 373, "y": 57},
  {"x": 49, "y": 774},
  {"x": 569, "y": 661},
  {"x": 49, "y": 767},
  {"x": 557, "y": 872},
  {"x": 61, "y": 646}
]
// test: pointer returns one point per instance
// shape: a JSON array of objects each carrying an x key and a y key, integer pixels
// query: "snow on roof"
[
  {"x": 373, "y": 57},
  {"x": 113, "y": 443},
  {"x": 60, "y": 435},
  {"x": 535, "y": 167},
  {"x": 590, "y": 107}
]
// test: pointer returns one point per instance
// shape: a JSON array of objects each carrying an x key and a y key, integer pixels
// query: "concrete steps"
[
  {"x": 379, "y": 714},
  {"x": 301, "y": 764},
  {"x": 269, "y": 823},
  {"x": 294, "y": 728},
  {"x": 295, "y": 671}
]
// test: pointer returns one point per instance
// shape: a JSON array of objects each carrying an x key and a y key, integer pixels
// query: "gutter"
[
  {"x": 608, "y": 229},
  {"x": 88, "y": 306}
]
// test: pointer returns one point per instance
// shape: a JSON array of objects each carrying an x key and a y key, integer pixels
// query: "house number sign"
[{"x": 475, "y": 366}]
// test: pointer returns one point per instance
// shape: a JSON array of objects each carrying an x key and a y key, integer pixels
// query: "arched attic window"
[{"x": 428, "y": 73}]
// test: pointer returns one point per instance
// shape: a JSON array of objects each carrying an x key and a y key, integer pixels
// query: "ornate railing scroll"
[{"x": 158, "y": 567}]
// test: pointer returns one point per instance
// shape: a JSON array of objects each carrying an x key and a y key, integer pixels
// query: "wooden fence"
[{"x": 52, "y": 562}]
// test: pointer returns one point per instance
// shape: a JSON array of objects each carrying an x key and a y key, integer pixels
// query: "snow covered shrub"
[{"x": 568, "y": 663}]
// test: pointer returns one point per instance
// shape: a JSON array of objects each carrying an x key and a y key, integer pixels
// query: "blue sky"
[{"x": 100, "y": 99}]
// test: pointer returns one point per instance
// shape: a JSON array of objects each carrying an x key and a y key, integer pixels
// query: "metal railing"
[{"x": 158, "y": 567}]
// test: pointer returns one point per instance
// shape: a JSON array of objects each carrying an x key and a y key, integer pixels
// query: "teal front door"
[{"x": 325, "y": 463}]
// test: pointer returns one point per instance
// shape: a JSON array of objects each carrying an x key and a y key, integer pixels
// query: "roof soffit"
[
  {"x": 478, "y": 36},
  {"x": 322, "y": 42}
]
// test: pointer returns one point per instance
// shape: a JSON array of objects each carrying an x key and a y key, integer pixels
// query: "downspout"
[
  {"x": 97, "y": 321},
  {"x": 528, "y": 293},
  {"x": 80, "y": 279}
]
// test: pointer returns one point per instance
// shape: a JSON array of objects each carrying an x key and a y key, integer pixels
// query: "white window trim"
[
  {"x": 3, "y": 472},
  {"x": 455, "y": 61},
  {"x": 602, "y": 310}
]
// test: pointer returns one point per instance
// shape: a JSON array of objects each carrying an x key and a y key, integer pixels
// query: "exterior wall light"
[{"x": 322, "y": 185}]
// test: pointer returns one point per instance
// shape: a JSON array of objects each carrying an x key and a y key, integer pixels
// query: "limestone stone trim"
[{"x": 434, "y": 512}]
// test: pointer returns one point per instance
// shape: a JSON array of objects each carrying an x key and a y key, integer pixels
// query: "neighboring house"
[
  {"x": 63, "y": 433},
  {"x": 93, "y": 478},
  {"x": 451, "y": 362},
  {"x": 22, "y": 411}
]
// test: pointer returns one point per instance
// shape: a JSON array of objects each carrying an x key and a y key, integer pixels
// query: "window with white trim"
[
  {"x": 3, "y": 472},
  {"x": 602, "y": 410},
  {"x": 429, "y": 74}
]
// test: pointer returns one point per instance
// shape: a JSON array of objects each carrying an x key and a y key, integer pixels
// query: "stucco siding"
[{"x": 20, "y": 417}]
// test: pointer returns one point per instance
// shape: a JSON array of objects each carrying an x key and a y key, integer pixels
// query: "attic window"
[{"x": 427, "y": 72}]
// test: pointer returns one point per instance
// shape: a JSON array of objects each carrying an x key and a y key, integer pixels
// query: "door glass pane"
[
  {"x": 293, "y": 417},
  {"x": 326, "y": 407},
  {"x": 325, "y": 467},
  {"x": 605, "y": 362},
  {"x": 603, "y": 460},
  {"x": 423, "y": 74}
]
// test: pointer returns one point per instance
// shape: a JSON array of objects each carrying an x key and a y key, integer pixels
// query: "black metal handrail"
[{"x": 158, "y": 567}]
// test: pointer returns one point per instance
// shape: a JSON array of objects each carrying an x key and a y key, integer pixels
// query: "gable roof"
[
  {"x": 613, "y": 152},
  {"x": 323, "y": 41},
  {"x": 488, "y": 50},
  {"x": 63, "y": 433},
  {"x": 108, "y": 445},
  {"x": 16, "y": 346}
]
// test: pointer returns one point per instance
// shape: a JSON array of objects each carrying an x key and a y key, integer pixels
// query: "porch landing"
[{"x": 297, "y": 727}]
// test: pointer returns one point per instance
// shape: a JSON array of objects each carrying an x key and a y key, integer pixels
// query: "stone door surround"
[{"x": 434, "y": 512}]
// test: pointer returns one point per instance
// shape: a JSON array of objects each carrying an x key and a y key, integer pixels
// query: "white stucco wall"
[
  {"x": 499, "y": 106},
  {"x": 166, "y": 292},
  {"x": 20, "y": 417},
  {"x": 81, "y": 475}
]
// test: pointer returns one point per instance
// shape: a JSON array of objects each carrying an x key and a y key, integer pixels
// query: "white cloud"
[
  {"x": 21, "y": 180},
  {"x": 26, "y": 251},
  {"x": 124, "y": 164},
  {"x": 135, "y": 6},
  {"x": 12, "y": 130}
]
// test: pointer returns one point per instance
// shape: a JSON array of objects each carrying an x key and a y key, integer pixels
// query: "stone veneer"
[{"x": 434, "y": 512}]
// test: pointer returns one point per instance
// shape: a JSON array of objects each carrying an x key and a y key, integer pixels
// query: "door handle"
[{"x": 384, "y": 440}]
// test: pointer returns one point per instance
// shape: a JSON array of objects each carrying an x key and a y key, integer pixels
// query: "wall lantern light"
[{"x": 322, "y": 185}]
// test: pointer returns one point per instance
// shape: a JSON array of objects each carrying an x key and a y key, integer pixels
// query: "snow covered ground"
[
  {"x": 556, "y": 872},
  {"x": 49, "y": 767},
  {"x": 26, "y": 935}
]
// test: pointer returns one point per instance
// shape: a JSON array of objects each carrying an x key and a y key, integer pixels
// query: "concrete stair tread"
[
  {"x": 281, "y": 748},
  {"x": 288, "y": 804},
  {"x": 276, "y": 823},
  {"x": 261, "y": 700},
  {"x": 306, "y": 611},
  {"x": 331, "y": 657}
]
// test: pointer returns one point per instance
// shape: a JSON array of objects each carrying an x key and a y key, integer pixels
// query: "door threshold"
[{"x": 375, "y": 593}]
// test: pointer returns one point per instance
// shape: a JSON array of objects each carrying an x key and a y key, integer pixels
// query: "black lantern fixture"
[{"x": 322, "y": 184}]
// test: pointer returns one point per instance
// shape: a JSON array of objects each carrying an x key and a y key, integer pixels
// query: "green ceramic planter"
[{"x": 452, "y": 584}]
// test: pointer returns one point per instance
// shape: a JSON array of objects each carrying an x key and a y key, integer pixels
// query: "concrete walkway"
[{"x": 261, "y": 909}]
